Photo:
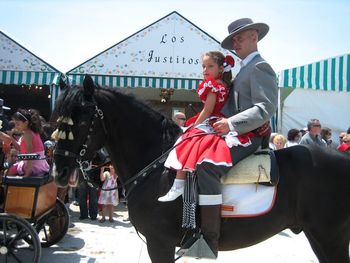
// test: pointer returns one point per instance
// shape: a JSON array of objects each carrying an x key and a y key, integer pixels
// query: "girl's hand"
[{"x": 221, "y": 126}]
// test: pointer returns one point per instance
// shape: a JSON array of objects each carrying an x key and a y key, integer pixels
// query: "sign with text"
[{"x": 171, "y": 47}]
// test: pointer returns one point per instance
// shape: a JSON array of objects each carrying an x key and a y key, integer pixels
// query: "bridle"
[{"x": 85, "y": 165}]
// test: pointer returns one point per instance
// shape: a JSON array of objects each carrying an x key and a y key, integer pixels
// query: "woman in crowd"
[
  {"x": 345, "y": 146},
  {"x": 293, "y": 137}
]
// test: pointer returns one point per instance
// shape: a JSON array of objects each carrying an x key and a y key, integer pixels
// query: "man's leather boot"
[{"x": 210, "y": 225}]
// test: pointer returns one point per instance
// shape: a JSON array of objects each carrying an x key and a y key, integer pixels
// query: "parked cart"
[{"x": 31, "y": 217}]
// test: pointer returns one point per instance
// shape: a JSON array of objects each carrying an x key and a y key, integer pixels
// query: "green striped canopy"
[
  {"x": 27, "y": 77},
  {"x": 137, "y": 82},
  {"x": 331, "y": 74}
]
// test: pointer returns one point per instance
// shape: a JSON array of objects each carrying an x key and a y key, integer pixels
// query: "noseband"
[{"x": 85, "y": 165}]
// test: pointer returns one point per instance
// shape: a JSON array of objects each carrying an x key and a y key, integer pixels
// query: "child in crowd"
[
  {"x": 108, "y": 199},
  {"x": 213, "y": 92},
  {"x": 279, "y": 141},
  {"x": 29, "y": 124}
]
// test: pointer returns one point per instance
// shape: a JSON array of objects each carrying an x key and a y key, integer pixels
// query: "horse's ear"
[
  {"x": 63, "y": 84},
  {"x": 89, "y": 85}
]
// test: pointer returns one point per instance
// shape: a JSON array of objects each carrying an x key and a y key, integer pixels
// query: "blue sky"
[{"x": 66, "y": 33}]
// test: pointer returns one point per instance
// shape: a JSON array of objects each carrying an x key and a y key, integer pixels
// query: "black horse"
[{"x": 313, "y": 191}]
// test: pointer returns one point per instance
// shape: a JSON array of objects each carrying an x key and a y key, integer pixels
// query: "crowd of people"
[{"x": 313, "y": 134}]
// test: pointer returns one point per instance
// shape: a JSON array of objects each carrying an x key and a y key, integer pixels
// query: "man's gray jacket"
[{"x": 253, "y": 99}]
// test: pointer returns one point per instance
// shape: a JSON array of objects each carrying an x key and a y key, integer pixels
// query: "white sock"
[{"x": 178, "y": 183}]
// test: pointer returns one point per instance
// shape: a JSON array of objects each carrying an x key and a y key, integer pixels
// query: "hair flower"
[{"x": 229, "y": 63}]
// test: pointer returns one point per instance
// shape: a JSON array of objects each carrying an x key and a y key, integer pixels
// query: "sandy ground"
[{"x": 92, "y": 241}]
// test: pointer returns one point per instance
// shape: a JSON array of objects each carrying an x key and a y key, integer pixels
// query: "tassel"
[
  {"x": 70, "y": 136},
  {"x": 65, "y": 120},
  {"x": 70, "y": 121},
  {"x": 54, "y": 135},
  {"x": 59, "y": 119},
  {"x": 62, "y": 135}
]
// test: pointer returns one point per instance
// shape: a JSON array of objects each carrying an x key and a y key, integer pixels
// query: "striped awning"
[
  {"x": 332, "y": 74},
  {"x": 137, "y": 82},
  {"x": 28, "y": 77}
]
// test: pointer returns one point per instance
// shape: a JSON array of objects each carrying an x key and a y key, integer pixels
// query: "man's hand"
[{"x": 221, "y": 126}]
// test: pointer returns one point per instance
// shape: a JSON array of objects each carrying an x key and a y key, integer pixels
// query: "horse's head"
[{"x": 80, "y": 130}]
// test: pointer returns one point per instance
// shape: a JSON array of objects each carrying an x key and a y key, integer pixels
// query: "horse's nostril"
[{"x": 61, "y": 178}]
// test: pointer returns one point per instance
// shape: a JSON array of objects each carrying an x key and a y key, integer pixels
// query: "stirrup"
[
  {"x": 200, "y": 249},
  {"x": 190, "y": 241}
]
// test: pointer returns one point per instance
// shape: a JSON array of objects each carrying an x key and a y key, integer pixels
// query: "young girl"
[
  {"x": 108, "y": 199},
  {"x": 28, "y": 122},
  {"x": 213, "y": 92}
]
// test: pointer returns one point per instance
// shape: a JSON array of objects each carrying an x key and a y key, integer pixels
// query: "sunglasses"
[{"x": 183, "y": 119}]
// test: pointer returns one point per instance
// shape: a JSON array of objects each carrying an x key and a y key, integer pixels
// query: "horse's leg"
[
  {"x": 160, "y": 251},
  {"x": 329, "y": 247}
]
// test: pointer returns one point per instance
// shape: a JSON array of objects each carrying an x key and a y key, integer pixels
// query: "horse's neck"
[{"x": 132, "y": 146}]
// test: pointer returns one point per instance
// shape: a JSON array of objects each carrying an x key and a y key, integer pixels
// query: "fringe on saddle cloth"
[{"x": 190, "y": 201}]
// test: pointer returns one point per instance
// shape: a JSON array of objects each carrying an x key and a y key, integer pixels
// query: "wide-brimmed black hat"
[{"x": 241, "y": 25}]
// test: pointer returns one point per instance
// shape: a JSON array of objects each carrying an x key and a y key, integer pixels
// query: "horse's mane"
[{"x": 67, "y": 100}]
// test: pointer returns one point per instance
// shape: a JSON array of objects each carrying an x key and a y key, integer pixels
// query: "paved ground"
[{"x": 92, "y": 242}]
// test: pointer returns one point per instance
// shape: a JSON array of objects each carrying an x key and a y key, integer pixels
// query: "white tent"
[
  {"x": 318, "y": 90},
  {"x": 18, "y": 66}
]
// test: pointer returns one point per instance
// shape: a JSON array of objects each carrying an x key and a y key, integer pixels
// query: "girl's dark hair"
[
  {"x": 219, "y": 58},
  {"x": 292, "y": 134},
  {"x": 33, "y": 118}
]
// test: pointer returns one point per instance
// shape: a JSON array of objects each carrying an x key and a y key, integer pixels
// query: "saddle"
[{"x": 260, "y": 167}]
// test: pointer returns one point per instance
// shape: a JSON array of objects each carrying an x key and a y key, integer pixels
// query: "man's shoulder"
[
  {"x": 259, "y": 64},
  {"x": 262, "y": 65},
  {"x": 305, "y": 138}
]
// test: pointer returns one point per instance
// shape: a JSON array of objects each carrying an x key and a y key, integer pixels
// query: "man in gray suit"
[{"x": 251, "y": 103}]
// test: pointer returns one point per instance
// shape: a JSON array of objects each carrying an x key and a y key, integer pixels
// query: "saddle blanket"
[
  {"x": 247, "y": 200},
  {"x": 252, "y": 169}
]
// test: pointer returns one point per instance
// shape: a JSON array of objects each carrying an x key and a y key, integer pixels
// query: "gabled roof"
[
  {"x": 19, "y": 66},
  {"x": 332, "y": 74},
  {"x": 165, "y": 54}
]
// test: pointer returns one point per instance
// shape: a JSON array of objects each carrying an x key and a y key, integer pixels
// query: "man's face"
[
  {"x": 245, "y": 43},
  {"x": 315, "y": 128}
]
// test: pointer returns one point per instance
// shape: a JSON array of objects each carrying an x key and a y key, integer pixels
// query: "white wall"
[{"x": 331, "y": 108}]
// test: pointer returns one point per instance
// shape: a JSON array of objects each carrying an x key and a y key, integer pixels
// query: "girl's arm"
[
  {"x": 208, "y": 108},
  {"x": 13, "y": 140},
  {"x": 28, "y": 138},
  {"x": 5, "y": 138}
]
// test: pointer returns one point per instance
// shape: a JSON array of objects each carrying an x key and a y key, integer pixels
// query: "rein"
[{"x": 156, "y": 163}]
